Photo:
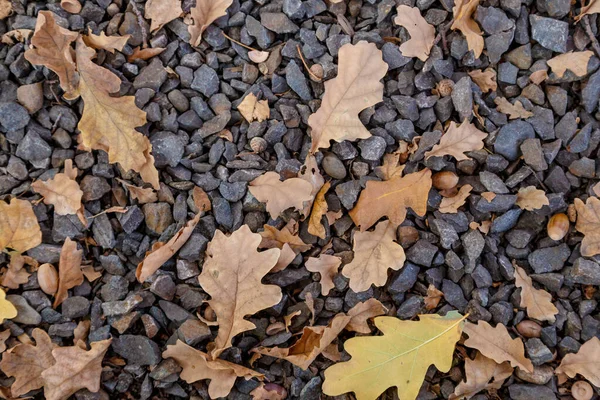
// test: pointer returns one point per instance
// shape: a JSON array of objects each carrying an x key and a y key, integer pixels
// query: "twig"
[
  {"x": 315, "y": 77},
  {"x": 588, "y": 30},
  {"x": 442, "y": 36},
  {"x": 239, "y": 43},
  {"x": 140, "y": 21}
]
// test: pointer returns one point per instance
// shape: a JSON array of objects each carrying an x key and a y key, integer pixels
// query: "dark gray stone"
[
  {"x": 549, "y": 259},
  {"x": 137, "y": 349}
]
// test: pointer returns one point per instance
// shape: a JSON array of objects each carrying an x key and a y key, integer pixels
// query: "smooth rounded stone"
[
  {"x": 26, "y": 315},
  {"x": 93, "y": 188},
  {"x": 151, "y": 76},
  {"x": 540, "y": 376},
  {"x": 549, "y": 259},
  {"x": 373, "y": 148},
  {"x": 33, "y": 148},
  {"x": 137, "y": 349},
  {"x": 462, "y": 98},
  {"x": 158, "y": 217},
  {"x": 585, "y": 272},
  {"x": 13, "y": 116},
  {"x": 550, "y": 33},
  {"x": 511, "y": 136},
  {"x": 333, "y": 166}
]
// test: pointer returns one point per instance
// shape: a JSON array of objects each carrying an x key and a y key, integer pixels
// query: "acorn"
[
  {"x": 581, "y": 390},
  {"x": 558, "y": 226},
  {"x": 316, "y": 73},
  {"x": 47, "y": 278},
  {"x": 529, "y": 329},
  {"x": 444, "y": 87},
  {"x": 445, "y": 180},
  {"x": 258, "y": 144}
]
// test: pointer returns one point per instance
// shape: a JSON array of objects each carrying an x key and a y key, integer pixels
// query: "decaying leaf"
[
  {"x": 450, "y": 205},
  {"x": 496, "y": 343},
  {"x": 162, "y": 12},
  {"x": 588, "y": 223},
  {"x": 62, "y": 192},
  {"x": 481, "y": 374},
  {"x": 538, "y": 302},
  {"x": 19, "y": 228},
  {"x": 584, "y": 362},
  {"x": 513, "y": 111},
  {"x": 374, "y": 253},
  {"x": 75, "y": 369},
  {"x": 69, "y": 270},
  {"x": 463, "y": 11},
  {"x": 253, "y": 109},
  {"x": 320, "y": 208},
  {"x": 108, "y": 43},
  {"x": 142, "y": 195},
  {"x": 197, "y": 366},
  {"x": 5, "y": 8},
  {"x": 26, "y": 362},
  {"x": 362, "y": 313},
  {"x": 390, "y": 167},
  {"x": 145, "y": 54},
  {"x": 203, "y": 14},
  {"x": 280, "y": 195},
  {"x": 287, "y": 240},
  {"x": 576, "y": 62},
  {"x": 457, "y": 140},
  {"x": 422, "y": 34},
  {"x": 486, "y": 80},
  {"x": 538, "y": 76},
  {"x": 269, "y": 391},
  {"x": 327, "y": 266},
  {"x": 16, "y": 274},
  {"x": 310, "y": 173},
  {"x": 399, "y": 358},
  {"x": 529, "y": 198},
  {"x": 7, "y": 310},
  {"x": 433, "y": 298},
  {"x": 232, "y": 275},
  {"x": 356, "y": 87},
  {"x": 16, "y": 35},
  {"x": 392, "y": 198}
]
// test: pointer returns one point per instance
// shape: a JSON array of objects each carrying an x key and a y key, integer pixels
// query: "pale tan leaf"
[
  {"x": 450, "y": 205},
  {"x": 513, "y": 111},
  {"x": 592, "y": 7},
  {"x": 103, "y": 42},
  {"x": 19, "y": 228},
  {"x": 310, "y": 304},
  {"x": 142, "y": 195},
  {"x": 463, "y": 11},
  {"x": 5, "y": 8},
  {"x": 356, "y": 87},
  {"x": 75, "y": 369},
  {"x": 4, "y": 335},
  {"x": 71, "y": 6},
  {"x": 588, "y": 223},
  {"x": 16, "y": 274},
  {"x": 433, "y": 298},
  {"x": 69, "y": 270},
  {"x": 257, "y": 56},
  {"x": 62, "y": 192},
  {"x": 144, "y": 54},
  {"x": 538, "y": 302},
  {"x": 361, "y": 313},
  {"x": 31, "y": 97},
  {"x": 327, "y": 266},
  {"x": 484, "y": 227},
  {"x": 203, "y": 14},
  {"x": 481, "y": 374},
  {"x": 269, "y": 391},
  {"x": 162, "y": 12},
  {"x": 310, "y": 173},
  {"x": 576, "y": 62},
  {"x": 496, "y": 343},
  {"x": 530, "y": 198},
  {"x": 584, "y": 362},
  {"x": 80, "y": 333},
  {"x": 392, "y": 198},
  {"x": 278, "y": 195},
  {"x": 287, "y": 319},
  {"x": 16, "y": 35},
  {"x": 273, "y": 238},
  {"x": 90, "y": 274},
  {"x": 374, "y": 253},
  {"x": 320, "y": 208},
  {"x": 486, "y": 80},
  {"x": 286, "y": 256},
  {"x": 539, "y": 76},
  {"x": 457, "y": 140},
  {"x": 422, "y": 34},
  {"x": 390, "y": 168},
  {"x": 232, "y": 275},
  {"x": 488, "y": 196},
  {"x": 253, "y": 109}
]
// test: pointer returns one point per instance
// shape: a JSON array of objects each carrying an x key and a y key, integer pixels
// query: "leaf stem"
[
  {"x": 239, "y": 43},
  {"x": 315, "y": 77}
]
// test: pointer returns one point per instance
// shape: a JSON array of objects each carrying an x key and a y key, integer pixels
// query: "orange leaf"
[
  {"x": 69, "y": 270},
  {"x": 19, "y": 228}
]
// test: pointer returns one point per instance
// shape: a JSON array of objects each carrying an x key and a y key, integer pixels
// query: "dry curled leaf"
[
  {"x": 356, "y": 87},
  {"x": 538, "y": 302},
  {"x": 576, "y": 62},
  {"x": 7, "y": 310},
  {"x": 162, "y": 12},
  {"x": 203, "y": 14},
  {"x": 16, "y": 274},
  {"x": 327, "y": 266},
  {"x": 433, "y": 298},
  {"x": 253, "y": 109},
  {"x": 69, "y": 270},
  {"x": 422, "y": 34},
  {"x": 496, "y": 343},
  {"x": 588, "y": 223},
  {"x": 592, "y": 7},
  {"x": 62, "y": 192},
  {"x": 488, "y": 196},
  {"x": 486, "y": 80},
  {"x": 481, "y": 374},
  {"x": 269, "y": 391},
  {"x": 320, "y": 208},
  {"x": 463, "y": 11},
  {"x": 4, "y": 335},
  {"x": 280, "y": 195},
  {"x": 392, "y": 198},
  {"x": 75, "y": 369},
  {"x": 142, "y": 195},
  {"x": 529, "y": 198},
  {"x": 374, "y": 253},
  {"x": 584, "y": 362},
  {"x": 16, "y": 35},
  {"x": 103, "y": 42},
  {"x": 198, "y": 365},
  {"x": 513, "y": 111},
  {"x": 232, "y": 275},
  {"x": 287, "y": 240},
  {"x": 450, "y": 205},
  {"x": 390, "y": 167},
  {"x": 457, "y": 140},
  {"x": 5, "y": 8},
  {"x": 19, "y": 228},
  {"x": 144, "y": 54}
]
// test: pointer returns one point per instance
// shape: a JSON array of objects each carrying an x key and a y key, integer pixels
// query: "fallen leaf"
[
  {"x": 576, "y": 62},
  {"x": 257, "y": 56},
  {"x": 203, "y": 14},
  {"x": 62, "y": 192},
  {"x": 253, "y": 109},
  {"x": 450, "y": 205},
  {"x": 513, "y": 111},
  {"x": 81, "y": 331},
  {"x": 327, "y": 266},
  {"x": 90, "y": 274},
  {"x": 390, "y": 167},
  {"x": 280, "y": 195},
  {"x": 356, "y": 87},
  {"x": 530, "y": 198},
  {"x": 422, "y": 34},
  {"x": 537, "y": 302},
  {"x": 287, "y": 240},
  {"x": 488, "y": 196},
  {"x": 375, "y": 252},
  {"x": 433, "y": 298},
  {"x": 310, "y": 173},
  {"x": 7, "y": 310},
  {"x": 400, "y": 357},
  {"x": 197, "y": 366},
  {"x": 232, "y": 275},
  {"x": 16, "y": 35},
  {"x": 71, "y": 6},
  {"x": 26, "y": 362},
  {"x": 392, "y": 198},
  {"x": 463, "y": 11},
  {"x": 5, "y": 8},
  {"x": 361, "y": 313},
  {"x": 457, "y": 140},
  {"x": 142, "y": 195},
  {"x": 16, "y": 274},
  {"x": 287, "y": 319},
  {"x": 31, "y": 97},
  {"x": 496, "y": 343},
  {"x": 320, "y": 208},
  {"x": 588, "y": 223},
  {"x": 481, "y": 374},
  {"x": 310, "y": 304},
  {"x": 69, "y": 270},
  {"x": 201, "y": 200},
  {"x": 269, "y": 391},
  {"x": 75, "y": 369},
  {"x": 108, "y": 43},
  {"x": 144, "y": 54},
  {"x": 332, "y": 352},
  {"x": 4, "y": 335},
  {"x": 539, "y": 76},
  {"x": 162, "y": 12},
  {"x": 52, "y": 49},
  {"x": 484, "y": 227},
  {"x": 486, "y": 80},
  {"x": 584, "y": 362},
  {"x": 19, "y": 228}
]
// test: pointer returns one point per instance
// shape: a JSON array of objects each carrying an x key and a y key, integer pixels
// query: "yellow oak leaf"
[
  {"x": 538, "y": 302},
  {"x": 162, "y": 12},
  {"x": 529, "y": 198},
  {"x": 280, "y": 195},
  {"x": 327, "y": 266},
  {"x": 457, "y": 140},
  {"x": 7, "y": 310},
  {"x": 513, "y": 111},
  {"x": 576, "y": 62},
  {"x": 450, "y": 205},
  {"x": 422, "y": 34},
  {"x": 584, "y": 362},
  {"x": 108, "y": 43},
  {"x": 463, "y": 11},
  {"x": 203, "y": 14},
  {"x": 19, "y": 228},
  {"x": 481, "y": 374}
]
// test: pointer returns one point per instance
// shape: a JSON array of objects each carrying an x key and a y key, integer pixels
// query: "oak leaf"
[
  {"x": 538, "y": 76},
  {"x": 496, "y": 343},
  {"x": 584, "y": 362},
  {"x": 16, "y": 274},
  {"x": 463, "y": 11},
  {"x": 513, "y": 111},
  {"x": 486, "y": 80},
  {"x": 4, "y": 335},
  {"x": 162, "y": 12},
  {"x": 481, "y": 374},
  {"x": 203, "y": 14},
  {"x": 530, "y": 198},
  {"x": 576, "y": 62},
  {"x": 145, "y": 54},
  {"x": 488, "y": 196},
  {"x": 537, "y": 302},
  {"x": 593, "y": 7},
  {"x": 327, "y": 266},
  {"x": 5, "y": 8},
  {"x": 19, "y": 228},
  {"x": 52, "y": 49},
  {"x": 392, "y": 198},
  {"x": 310, "y": 173},
  {"x": 108, "y": 43},
  {"x": 457, "y": 140},
  {"x": 75, "y": 369},
  {"x": 374, "y": 253},
  {"x": 16, "y": 35},
  {"x": 197, "y": 366},
  {"x": 433, "y": 298},
  {"x": 253, "y": 109},
  {"x": 232, "y": 275},
  {"x": 356, "y": 87},
  {"x": 320, "y": 208},
  {"x": 69, "y": 270},
  {"x": 450, "y": 205},
  {"x": 62, "y": 192},
  {"x": 390, "y": 167},
  {"x": 276, "y": 238},
  {"x": 7, "y": 310},
  {"x": 26, "y": 362},
  {"x": 400, "y": 357},
  {"x": 142, "y": 195},
  {"x": 422, "y": 34},
  {"x": 361, "y": 313},
  {"x": 588, "y": 223},
  {"x": 269, "y": 391},
  {"x": 280, "y": 195}
]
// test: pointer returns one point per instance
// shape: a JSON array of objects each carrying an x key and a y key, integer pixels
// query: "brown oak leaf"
[
  {"x": 576, "y": 62},
  {"x": 422, "y": 34},
  {"x": 584, "y": 362},
  {"x": 145, "y": 54},
  {"x": 486, "y": 80},
  {"x": 433, "y": 298},
  {"x": 457, "y": 140},
  {"x": 327, "y": 266},
  {"x": 463, "y": 11},
  {"x": 162, "y": 12},
  {"x": 529, "y": 198},
  {"x": 481, "y": 374},
  {"x": 287, "y": 240},
  {"x": 203, "y": 14},
  {"x": 253, "y": 109},
  {"x": 142, "y": 195},
  {"x": 538, "y": 302},
  {"x": 320, "y": 208},
  {"x": 310, "y": 173},
  {"x": 16, "y": 274},
  {"x": 362, "y": 313},
  {"x": 280, "y": 195},
  {"x": 390, "y": 167},
  {"x": 103, "y": 42},
  {"x": 19, "y": 228},
  {"x": 62, "y": 192},
  {"x": 69, "y": 270},
  {"x": 513, "y": 111},
  {"x": 588, "y": 223},
  {"x": 5, "y": 8},
  {"x": 592, "y": 7}
]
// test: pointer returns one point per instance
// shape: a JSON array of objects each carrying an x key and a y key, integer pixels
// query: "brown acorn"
[
  {"x": 558, "y": 226},
  {"x": 47, "y": 278},
  {"x": 444, "y": 87},
  {"x": 258, "y": 144},
  {"x": 529, "y": 329},
  {"x": 445, "y": 180},
  {"x": 581, "y": 390}
]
